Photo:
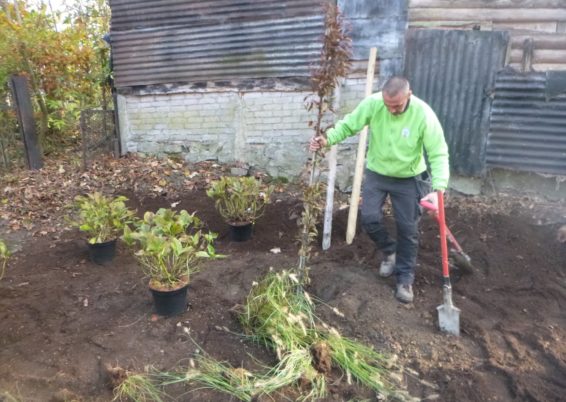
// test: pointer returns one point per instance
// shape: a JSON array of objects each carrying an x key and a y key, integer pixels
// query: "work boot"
[
  {"x": 387, "y": 266},
  {"x": 404, "y": 293}
]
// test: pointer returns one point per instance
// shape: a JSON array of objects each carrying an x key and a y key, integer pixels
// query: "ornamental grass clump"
[
  {"x": 4, "y": 256},
  {"x": 244, "y": 385},
  {"x": 294, "y": 367},
  {"x": 212, "y": 374},
  {"x": 278, "y": 314},
  {"x": 138, "y": 387},
  {"x": 240, "y": 200},
  {"x": 370, "y": 368},
  {"x": 281, "y": 315}
]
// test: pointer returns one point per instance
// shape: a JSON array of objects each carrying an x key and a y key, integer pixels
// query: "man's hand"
[
  {"x": 430, "y": 202},
  {"x": 317, "y": 143}
]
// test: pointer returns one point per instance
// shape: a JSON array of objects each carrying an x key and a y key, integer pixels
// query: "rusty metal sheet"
[{"x": 184, "y": 42}]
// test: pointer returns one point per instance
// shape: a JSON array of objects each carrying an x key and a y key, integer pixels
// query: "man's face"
[{"x": 396, "y": 104}]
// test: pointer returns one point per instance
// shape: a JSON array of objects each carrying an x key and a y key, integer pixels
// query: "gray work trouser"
[{"x": 405, "y": 195}]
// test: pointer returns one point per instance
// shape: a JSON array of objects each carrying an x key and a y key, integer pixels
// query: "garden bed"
[{"x": 64, "y": 320}]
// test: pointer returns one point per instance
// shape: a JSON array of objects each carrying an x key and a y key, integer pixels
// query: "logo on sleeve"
[{"x": 405, "y": 133}]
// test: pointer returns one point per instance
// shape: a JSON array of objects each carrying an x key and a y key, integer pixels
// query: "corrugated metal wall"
[
  {"x": 176, "y": 41},
  {"x": 139, "y": 14},
  {"x": 541, "y": 21},
  {"x": 528, "y": 123},
  {"x": 453, "y": 71}
]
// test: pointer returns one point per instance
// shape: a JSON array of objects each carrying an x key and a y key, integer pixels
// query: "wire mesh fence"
[
  {"x": 98, "y": 134},
  {"x": 11, "y": 146}
]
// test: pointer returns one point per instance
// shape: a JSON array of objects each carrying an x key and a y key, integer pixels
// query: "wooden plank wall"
[{"x": 537, "y": 27}]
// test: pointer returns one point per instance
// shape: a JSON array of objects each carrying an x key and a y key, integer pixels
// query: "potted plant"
[
  {"x": 170, "y": 247},
  {"x": 4, "y": 256},
  {"x": 103, "y": 219},
  {"x": 240, "y": 201}
]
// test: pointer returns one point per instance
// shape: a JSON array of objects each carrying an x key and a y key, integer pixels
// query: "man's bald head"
[
  {"x": 396, "y": 86},
  {"x": 396, "y": 95}
]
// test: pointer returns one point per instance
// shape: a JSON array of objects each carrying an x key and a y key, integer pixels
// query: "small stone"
[{"x": 236, "y": 171}]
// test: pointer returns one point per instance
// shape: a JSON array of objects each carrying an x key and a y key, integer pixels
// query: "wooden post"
[
  {"x": 360, "y": 159},
  {"x": 24, "y": 111},
  {"x": 332, "y": 161}
]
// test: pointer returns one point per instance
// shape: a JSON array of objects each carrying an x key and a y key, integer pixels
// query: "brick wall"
[{"x": 267, "y": 129}]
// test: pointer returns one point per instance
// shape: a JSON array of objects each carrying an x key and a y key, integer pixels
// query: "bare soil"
[{"x": 63, "y": 319}]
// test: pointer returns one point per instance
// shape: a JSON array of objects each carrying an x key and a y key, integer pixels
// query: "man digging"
[{"x": 401, "y": 127}]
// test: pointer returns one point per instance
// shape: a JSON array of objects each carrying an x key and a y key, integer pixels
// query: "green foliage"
[
  {"x": 240, "y": 199},
  {"x": 170, "y": 246},
  {"x": 138, "y": 388},
  {"x": 312, "y": 211},
  {"x": 238, "y": 382},
  {"x": 4, "y": 256},
  {"x": 66, "y": 61},
  {"x": 102, "y": 218},
  {"x": 278, "y": 314}
]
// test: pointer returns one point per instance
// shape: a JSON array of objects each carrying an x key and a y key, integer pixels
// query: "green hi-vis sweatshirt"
[{"x": 396, "y": 142}]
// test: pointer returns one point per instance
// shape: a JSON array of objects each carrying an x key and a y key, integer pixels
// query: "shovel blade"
[{"x": 449, "y": 319}]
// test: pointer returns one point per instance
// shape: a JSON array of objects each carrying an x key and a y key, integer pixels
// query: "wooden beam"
[
  {"x": 542, "y": 41},
  {"x": 488, "y": 14},
  {"x": 486, "y": 3},
  {"x": 541, "y": 56},
  {"x": 541, "y": 66},
  {"x": 531, "y": 27}
]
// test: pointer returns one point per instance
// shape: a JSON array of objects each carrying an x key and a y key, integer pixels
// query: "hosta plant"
[
  {"x": 240, "y": 200},
  {"x": 102, "y": 218},
  {"x": 170, "y": 246}
]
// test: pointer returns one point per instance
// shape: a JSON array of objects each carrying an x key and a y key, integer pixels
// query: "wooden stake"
[
  {"x": 327, "y": 231},
  {"x": 330, "y": 184},
  {"x": 360, "y": 159}
]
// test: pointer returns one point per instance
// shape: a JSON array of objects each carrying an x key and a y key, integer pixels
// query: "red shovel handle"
[{"x": 443, "y": 244}]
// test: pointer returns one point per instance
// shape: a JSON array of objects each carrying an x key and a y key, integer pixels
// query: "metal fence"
[
  {"x": 11, "y": 146},
  {"x": 98, "y": 134}
]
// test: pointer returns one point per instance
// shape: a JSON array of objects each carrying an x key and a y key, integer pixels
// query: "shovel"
[
  {"x": 461, "y": 259},
  {"x": 448, "y": 314}
]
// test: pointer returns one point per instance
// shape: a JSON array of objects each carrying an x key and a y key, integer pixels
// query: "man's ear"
[{"x": 410, "y": 93}]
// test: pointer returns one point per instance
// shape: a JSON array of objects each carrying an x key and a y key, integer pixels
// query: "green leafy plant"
[
  {"x": 102, "y": 218},
  {"x": 170, "y": 246},
  {"x": 240, "y": 200},
  {"x": 64, "y": 58},
  {"x": 4, "y": 256}
]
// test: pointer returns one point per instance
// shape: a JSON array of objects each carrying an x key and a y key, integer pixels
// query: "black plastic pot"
[
  {"x": 170, "y": 302},
  {"x": 241, "y": 232},
  {"x": 102, "y": 253}
]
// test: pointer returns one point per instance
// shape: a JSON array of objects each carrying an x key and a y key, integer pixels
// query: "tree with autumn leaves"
[{"x": 64, "y": 58}]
